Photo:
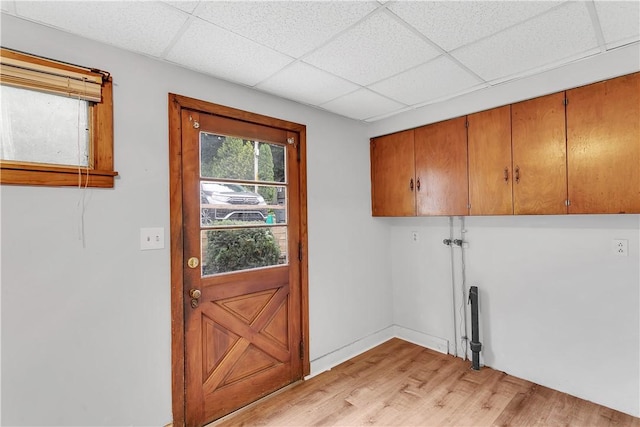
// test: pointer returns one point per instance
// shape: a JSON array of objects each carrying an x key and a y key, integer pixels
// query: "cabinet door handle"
[
  {"x": 517, "y": 174},
  {"x": 411, "y": 184},
  {"x": 506, "y": 174},
  {"x": 418, "y": 184}
]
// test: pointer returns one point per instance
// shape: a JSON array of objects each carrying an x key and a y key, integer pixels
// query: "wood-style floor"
[{"x": 402, "y": 384}]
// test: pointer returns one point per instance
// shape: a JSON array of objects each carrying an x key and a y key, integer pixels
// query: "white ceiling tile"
[
  {"x": 620, "y": 21},
  {"x": 210, "y": 49},
  {"x": 144, "y": 27},
  {"x": 436, "y": 79},
  {"x": 304, "y": 83},
  {"x": 186, "y": 5},
  {"x": 375, "y": 49},
  {"x": 291, "y": 27},
  {"x": 451, "y": 24},
  {"x": 564, "y": 34},
  {"x": 362, "y": 104}
]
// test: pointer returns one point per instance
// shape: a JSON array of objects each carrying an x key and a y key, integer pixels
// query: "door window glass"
[
  {"x": 226, "y": 157},
  {"x": 225, "y": 203},
  {"x": 242, "y": 248},
  {"x": 243, "y": 204}
]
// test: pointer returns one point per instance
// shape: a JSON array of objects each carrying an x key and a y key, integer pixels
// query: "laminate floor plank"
[
  {"x": 531, "y": 408},
  {"x": 565, "y": 410},
  {"x": 370, "y": 403},
  {"x": 401, "y": 384},
  {"x": 484, "y": 406}
]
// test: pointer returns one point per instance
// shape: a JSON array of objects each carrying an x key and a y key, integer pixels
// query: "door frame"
[{"x": 176, "y": 104}]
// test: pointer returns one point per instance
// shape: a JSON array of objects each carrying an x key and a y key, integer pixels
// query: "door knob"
[
  {"x": 193, "y": 262},
  {"x": 195, "y": 293}
]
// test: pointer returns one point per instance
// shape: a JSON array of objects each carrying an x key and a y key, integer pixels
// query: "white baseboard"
[
  {"x": 428, "y": 341},
  {"x": 328, "y": 361}
]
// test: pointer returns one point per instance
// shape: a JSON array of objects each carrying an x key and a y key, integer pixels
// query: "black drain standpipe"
[{"x": 476, "y": 345}]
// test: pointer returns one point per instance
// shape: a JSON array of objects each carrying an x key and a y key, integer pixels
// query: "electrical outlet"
[
  {"x": 414, "y": 236},
  {"x": 621, "y": 247},
  {"x": 151, "y": 238}
]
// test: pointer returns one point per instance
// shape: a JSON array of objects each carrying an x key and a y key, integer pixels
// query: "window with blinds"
[{"x": 56, "y": 126}]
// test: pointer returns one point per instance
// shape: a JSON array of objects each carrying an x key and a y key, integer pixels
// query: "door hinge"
[
  {"x": 301, "y": 350},
  {"x": 300, "y": 251},
  {"x": 566, "y": 101},
  {"x": 298, "y": 151}
]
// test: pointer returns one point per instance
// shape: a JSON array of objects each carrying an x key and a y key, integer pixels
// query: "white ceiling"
[{"x": 365, "y": 60}]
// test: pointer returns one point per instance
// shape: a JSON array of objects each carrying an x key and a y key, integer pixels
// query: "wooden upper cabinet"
[
  {"x": 442, "y": 186},
  {"x": 538, "y": 141},
  {"x": 603, "y": 146},
  {"x": 489, "y": 134},
  {"x": 393, "y": 183},
  {"x": 536, "y": 157}
]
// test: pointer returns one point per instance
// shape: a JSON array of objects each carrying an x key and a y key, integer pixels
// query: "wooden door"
[
  {"x": 442, "y": 186},
  {"x": 241, "y": 236},
  {"x": 393, "y": 183},
  {"x": 603, "y": 146},
  {"x": 489, "y": 134},
  {"x": 539, "y": 156}
]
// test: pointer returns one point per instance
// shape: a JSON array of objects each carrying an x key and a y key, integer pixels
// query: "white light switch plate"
[{"x": 151, "y": 238}]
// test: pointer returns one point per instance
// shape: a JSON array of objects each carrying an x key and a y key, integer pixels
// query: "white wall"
[
  {"x": 556, "y": 307},
  {"x": 86, "y": 330}
]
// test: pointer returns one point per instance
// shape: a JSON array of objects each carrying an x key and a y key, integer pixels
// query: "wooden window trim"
[{"x": 100, "y": 171}]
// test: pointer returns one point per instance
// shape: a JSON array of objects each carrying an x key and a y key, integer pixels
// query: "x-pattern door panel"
[
  {"x": 256, "y": 321},
  {"x": 244, "y": 338}
]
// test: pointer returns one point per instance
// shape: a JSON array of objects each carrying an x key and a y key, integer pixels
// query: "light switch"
[{"x": 151, "y": 238}]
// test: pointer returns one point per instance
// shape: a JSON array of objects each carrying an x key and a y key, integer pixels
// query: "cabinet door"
[
  {"x": 539, "y": 156},
  {"x": 603, "y": 146},
  {"x": 490, "y": 162},
  {"x": 442, "y": 186},
  {"x": 392, "y": 175}
]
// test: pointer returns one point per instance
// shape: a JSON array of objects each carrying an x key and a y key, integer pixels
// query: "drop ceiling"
[{"x": 365, "y": 60}]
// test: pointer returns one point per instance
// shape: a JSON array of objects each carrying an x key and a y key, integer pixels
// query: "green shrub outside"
[{"x": 240, "y": 248}]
